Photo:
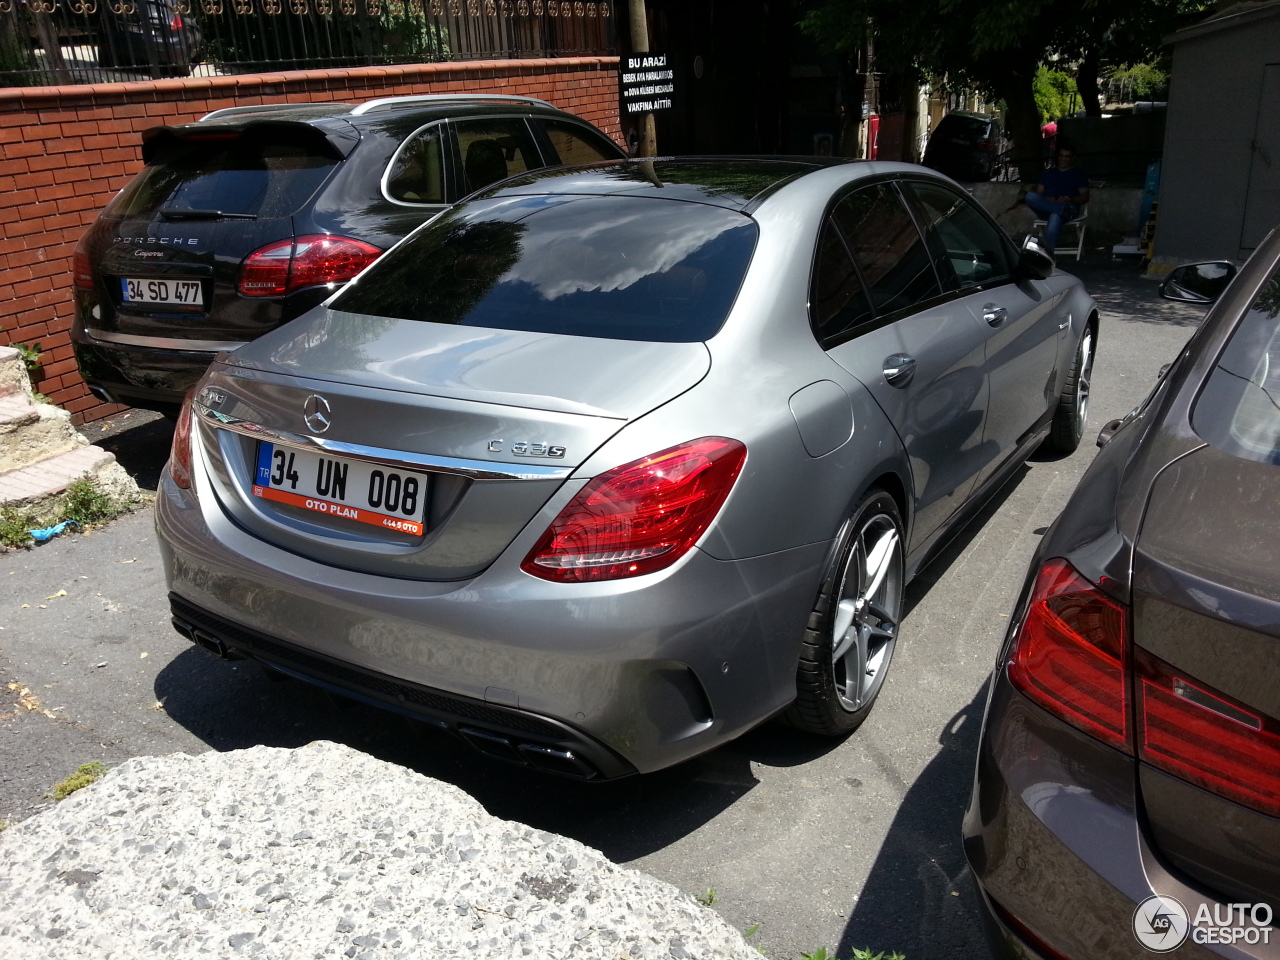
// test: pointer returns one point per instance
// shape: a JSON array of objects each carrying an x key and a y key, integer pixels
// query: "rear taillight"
[
  {"x": 281, "y": 268},
  {"x": 640, "y": 517},
  {"x": 180, "y": 452},
  {"x": 176, "y": 23},
  {"x": 1205, "y": 737},
  {"x": 1069, "y": 655},
  {"x": 1072, "y": 656},
  {"x": 80, "y": 268}
]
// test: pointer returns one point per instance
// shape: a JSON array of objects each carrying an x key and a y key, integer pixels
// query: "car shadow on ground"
[
  {"x": 233, "y": 705},
  {"x": 919, "y": 898},
  {"x": 140, "y": 440}
]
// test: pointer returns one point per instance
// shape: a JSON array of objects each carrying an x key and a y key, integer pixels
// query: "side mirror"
[
  {"x": 1198, "y": 282},
  {"x": 1034, "y": 261}
]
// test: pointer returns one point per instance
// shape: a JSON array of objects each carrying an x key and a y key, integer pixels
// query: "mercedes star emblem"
[{"x": 316, "y": 413}]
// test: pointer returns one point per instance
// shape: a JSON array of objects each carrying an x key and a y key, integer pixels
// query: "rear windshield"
[
  {"x": 621, "y": 268},
  {"x": 1239, "y": 410},
  {"x": 261, "y": 177}
]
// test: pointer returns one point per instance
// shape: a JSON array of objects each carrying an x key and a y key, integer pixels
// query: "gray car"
[
  {"x": 1127, "y": 798},
  {"x": 614, "y": 462}
]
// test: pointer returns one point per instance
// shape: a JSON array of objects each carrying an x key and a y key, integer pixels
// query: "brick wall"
[{"x": 65, "y": 151}]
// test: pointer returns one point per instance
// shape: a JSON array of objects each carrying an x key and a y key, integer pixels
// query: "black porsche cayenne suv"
[{"x": 251, "y": 216}]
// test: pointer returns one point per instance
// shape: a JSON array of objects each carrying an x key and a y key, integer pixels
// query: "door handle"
[
  {"x": 899, "y": 369},
  {"x": 993, "y": 314}
]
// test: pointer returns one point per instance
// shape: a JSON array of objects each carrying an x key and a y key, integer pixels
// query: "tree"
[{"x": 998, "y": 47}]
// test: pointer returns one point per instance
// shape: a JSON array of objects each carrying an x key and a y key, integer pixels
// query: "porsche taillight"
[{"x": 288, "y": 265}]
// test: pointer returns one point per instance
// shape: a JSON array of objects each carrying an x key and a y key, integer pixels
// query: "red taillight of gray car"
[
  {"x": 180, "y": 452},
  {"x": 1070, "y": 652},
  {"x": 640, "y": 517},
  {"x": 288, "y": 265},
  {"x": 1072, "y": 656}
]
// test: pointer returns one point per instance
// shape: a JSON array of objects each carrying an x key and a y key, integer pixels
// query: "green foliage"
[
  {"x": 4, "y": 825},
  {"x": 14, "y": 525},
  {"x": 1139, "y": 81},
  {"x": 85, "y": 774},
  {"x": 866, "y": 954},
  {"x": 408, "y": 35},
  {"x": 708, "y": 898},
  {"x": 31, "y": 353},
  {"x": 1055, "y": 93},
  {"x": 86, "y": 504}
]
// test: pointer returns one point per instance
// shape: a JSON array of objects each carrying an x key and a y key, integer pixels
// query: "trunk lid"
[
  {"x": 1207, "y": 602},
  {"x": 483, "y": 425}
]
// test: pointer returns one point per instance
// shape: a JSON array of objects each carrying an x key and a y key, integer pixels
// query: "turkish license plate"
[
  {"x": 338, "y": 487},
  {"x": 185, "y": 293}
]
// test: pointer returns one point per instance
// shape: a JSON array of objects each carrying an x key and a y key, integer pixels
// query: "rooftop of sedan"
[{"x": 735, "y": 183}]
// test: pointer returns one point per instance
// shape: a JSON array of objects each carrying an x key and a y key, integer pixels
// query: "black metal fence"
[{"x": 91, "y": 41}]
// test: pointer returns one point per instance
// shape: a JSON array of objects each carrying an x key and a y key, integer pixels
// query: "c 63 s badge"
[{"x": 522, "y": 448}]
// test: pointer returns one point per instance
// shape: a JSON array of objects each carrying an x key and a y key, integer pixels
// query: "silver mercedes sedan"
[{"x": 612, "y": 463}]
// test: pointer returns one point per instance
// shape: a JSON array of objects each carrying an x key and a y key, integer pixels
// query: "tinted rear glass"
[
  {"x": 263, "y": 177},
  {"x": 620, "y": 268},
  {"x": 1239, "y": 410}
]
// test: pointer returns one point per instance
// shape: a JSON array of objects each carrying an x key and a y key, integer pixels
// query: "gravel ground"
[{"x": 322, "y": 851}]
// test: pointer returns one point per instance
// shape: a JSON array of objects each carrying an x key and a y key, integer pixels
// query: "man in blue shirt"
[{"x": 1056, "y": 199}]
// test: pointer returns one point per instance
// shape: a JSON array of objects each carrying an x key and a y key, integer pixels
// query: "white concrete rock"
[{"x": 321, "y": 852}]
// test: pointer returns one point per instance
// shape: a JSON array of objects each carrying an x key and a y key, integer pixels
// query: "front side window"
[
  {"x": 620, "y": 268},
  {"x": 494, "y": 149},
  {"x": 1239, "y": 409},
  {"x": 416, "y": 174},
  {"x": 887, "y": 247},
  {"x": 572, "y": 144},
  {"x": 970, "y": 250}
]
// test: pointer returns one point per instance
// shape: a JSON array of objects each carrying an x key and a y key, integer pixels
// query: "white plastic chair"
[{"x": 1078, "y": 223}]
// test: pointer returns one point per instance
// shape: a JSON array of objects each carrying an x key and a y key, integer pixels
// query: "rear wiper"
[{"x": 170, "y": 214}]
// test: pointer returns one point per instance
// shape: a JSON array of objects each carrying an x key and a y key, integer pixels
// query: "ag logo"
[{"x": 1161, "y": 924}]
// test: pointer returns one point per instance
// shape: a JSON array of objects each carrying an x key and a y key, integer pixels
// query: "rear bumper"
[
  {"x": 145, "y": 377},
  {"x": 650, "y": 671},
  {"x": 1055, "y": 839}
]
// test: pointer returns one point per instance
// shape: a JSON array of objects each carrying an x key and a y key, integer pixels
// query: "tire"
[
  {"x": 853, "y": 629},
  {"x": 1073, "y": 404}
]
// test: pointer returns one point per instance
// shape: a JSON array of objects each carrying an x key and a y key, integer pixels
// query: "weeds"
[
  {"x": 866, "y": 954},
  {"x": 31, "y": 353},
  {"x": 4, "y": 824},
  {"x": 85, "y": 774},
  {"x": 708, "y": 898},
  {"x": 86, "y": 504},
  {"x": 14, "y": 525}
]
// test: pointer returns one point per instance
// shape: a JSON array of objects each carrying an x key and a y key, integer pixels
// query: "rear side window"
[
  {"x": 492, "y": 150},
  {"x": 416, "y": 174},
  {"x": 887, "y": 247},
  {"x": 839, "y": 300},
  {"x": 620, "y": 268},
  {"x": 255, "y": 176},
  {"x": 572, "y": 144},
  {"x": 969, "y": 250},
  {"x": 1239, "y": 409}
]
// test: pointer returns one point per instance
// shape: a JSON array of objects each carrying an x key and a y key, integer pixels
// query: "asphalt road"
[{"x": 837, "y": 844}]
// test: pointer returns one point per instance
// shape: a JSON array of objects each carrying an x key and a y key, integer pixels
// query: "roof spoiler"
[{"x": 335, "y": 143}]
